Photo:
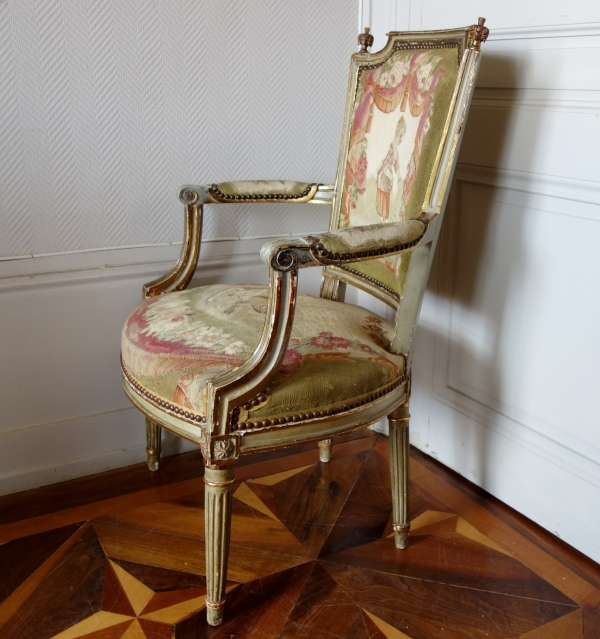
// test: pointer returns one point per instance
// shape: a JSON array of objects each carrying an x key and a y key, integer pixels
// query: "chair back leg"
[
  {"x": 153, "y": 445},
  {"x": 400, "y": 469},
  {"x": 325, "y": 446},
  {"x": 217, "y": 523}
]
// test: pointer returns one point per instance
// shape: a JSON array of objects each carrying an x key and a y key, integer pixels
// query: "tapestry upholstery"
[
  {"x": 172, "y": 344},
  {"x": 254, "y": 188},
  {"x": 397, "y": 121},
  {"x": 359, "y": 239}
]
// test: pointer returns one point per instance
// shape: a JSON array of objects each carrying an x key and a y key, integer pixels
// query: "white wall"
[
  {"x": 506, "y": 367},
  {"x": 106, "y": 109}
]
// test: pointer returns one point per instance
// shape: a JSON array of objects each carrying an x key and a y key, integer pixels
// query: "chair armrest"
[
  {"x": 367, "y": 242},
  {"x": 256, "y": 191},
  {"x": 353, "y": 244},
  {"x": 284, "y": 257},
  {"x": 194, "y": 197}
]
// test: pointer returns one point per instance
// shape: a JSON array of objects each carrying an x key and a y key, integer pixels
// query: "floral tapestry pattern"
[
  {"x": 175, "y": 343},
  {"x": 396, "y": 127}
]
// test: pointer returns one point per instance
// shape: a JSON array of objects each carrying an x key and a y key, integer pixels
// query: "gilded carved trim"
[
  {"x": 371, "y": 280},
  {"x": 365, "y": 40},
  {"x": 181, "y": 274},
  {"x": 477, "y": 34},
  {"x": 416, "y": 45},
  {"x": 332, "y": 289}
]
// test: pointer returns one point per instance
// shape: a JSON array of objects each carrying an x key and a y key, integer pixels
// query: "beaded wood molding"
[
  {"x": 414, "y": 45},
  {"x": 197, "y": 418},
  {"x": 371, "y": 280}
]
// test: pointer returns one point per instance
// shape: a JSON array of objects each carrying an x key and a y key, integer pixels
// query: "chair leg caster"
[
  {"x": 325, "y": 446},
  {"x": 401, "y": 540},
  {"x": 215, "y": 613},
  {"x": 153, "y": 459}
]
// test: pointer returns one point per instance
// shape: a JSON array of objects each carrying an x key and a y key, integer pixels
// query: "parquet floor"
[{"x": 121, "y": 556}]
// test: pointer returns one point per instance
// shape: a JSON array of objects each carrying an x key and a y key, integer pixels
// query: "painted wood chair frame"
[{"x": 219, "y": 435}]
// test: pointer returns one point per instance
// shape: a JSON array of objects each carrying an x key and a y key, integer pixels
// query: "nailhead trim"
[
  {"x": 400, "y": 46},
  {"x": 302, "y": 417},
  {"x": 178, "y": 411},
  {"x": 214, "y": 190},
  {"x": 371, "y": 280},
  {"x": 357, "y": 256},
  {"x": 259, "y": 399}
]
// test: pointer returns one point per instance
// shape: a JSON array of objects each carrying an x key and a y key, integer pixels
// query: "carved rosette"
[
  {"x": 477, "y": 34},
  {"x": 223, "y": 449}
]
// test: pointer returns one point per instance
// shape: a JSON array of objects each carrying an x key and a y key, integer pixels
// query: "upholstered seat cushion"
[{"x": 174, "y": 343}]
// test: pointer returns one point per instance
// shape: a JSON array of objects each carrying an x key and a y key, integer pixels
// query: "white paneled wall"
[
  {"x": 506, "y": 366},
  {"x": 106, "y": 108}
]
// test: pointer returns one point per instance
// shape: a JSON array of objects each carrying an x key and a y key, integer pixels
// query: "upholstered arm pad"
[
  {"x": 345, "y": 245},
  {"x": 363, "y": 242},
  {"x": 251, "y": 191}
]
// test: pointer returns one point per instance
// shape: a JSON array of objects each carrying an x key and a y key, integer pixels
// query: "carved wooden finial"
[
  {"x": 477, "y": 34},
  {"x": 365, "y": 40}
]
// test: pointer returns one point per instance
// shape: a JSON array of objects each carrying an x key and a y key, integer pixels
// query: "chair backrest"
[{"x": 400, "y": 136}]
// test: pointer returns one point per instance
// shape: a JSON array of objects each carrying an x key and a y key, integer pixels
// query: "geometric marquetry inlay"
[{"x": 311, "y": 555}]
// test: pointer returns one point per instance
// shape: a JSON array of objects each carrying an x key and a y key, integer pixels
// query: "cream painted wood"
[
  {"x": 505, "y": 365},
  {"x": 218, "y": 492}
]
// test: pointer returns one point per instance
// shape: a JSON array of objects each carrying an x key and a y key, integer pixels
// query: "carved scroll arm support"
[{"x": 193, "y": 199}]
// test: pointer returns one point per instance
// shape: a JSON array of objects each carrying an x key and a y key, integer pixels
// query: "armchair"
[{"x": 239, "y": 369}]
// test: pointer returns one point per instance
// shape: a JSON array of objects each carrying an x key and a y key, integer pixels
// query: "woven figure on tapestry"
[{"x": 405, "y": 100}]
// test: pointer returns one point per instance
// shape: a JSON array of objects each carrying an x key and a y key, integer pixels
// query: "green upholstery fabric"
[
  {"x": 397, "y": 122},
  {"x": 359, "y": 239},
  {"x": 262, "y": 188},
  {"x": 174, "y": 343}
]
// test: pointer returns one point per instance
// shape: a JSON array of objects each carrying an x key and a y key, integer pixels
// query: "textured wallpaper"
[{"x": 107, "y": 107}]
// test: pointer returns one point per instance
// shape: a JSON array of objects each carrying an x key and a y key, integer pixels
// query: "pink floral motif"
[
  {"x": 365, "y": 348},
  {"x": 327, "y": 340},
  {"x": 373, "y": 318},
  {"x": 374, "y": 327},
  {"x": 292, "y": 361},
  {"x": 361, "y": 171}
]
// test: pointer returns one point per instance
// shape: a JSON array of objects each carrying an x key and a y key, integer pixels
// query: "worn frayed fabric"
[
  {"x": 173, "y": 344},
  {"x": 373, "y": 237},
  {"x": 263, "y": 187}
]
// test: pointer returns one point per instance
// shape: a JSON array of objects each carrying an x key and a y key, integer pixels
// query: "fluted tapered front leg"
[
  {"x": 217, "y": 517},
  {"x": 400, "y": 467},
  {"x": 153, "y": 447}
]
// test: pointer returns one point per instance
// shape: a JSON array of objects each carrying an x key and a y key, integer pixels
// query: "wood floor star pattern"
[{"x": 312, "y": 555}]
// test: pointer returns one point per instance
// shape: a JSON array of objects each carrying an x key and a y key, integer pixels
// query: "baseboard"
[{"x": 94, "y": 444}]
